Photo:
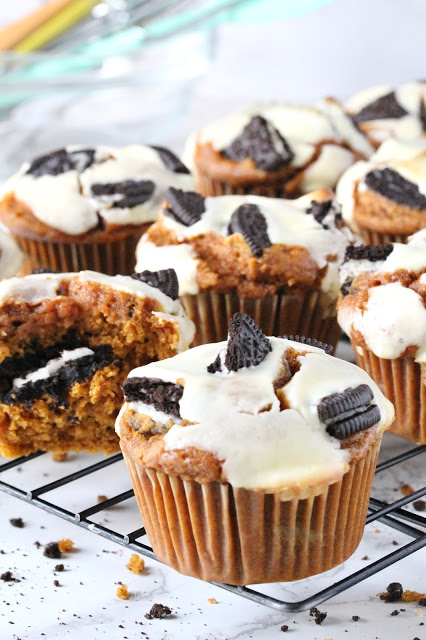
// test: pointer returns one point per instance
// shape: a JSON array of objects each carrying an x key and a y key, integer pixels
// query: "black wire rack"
[{"x": 393, "y": 515}]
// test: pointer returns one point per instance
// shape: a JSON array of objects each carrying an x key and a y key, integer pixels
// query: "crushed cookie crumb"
[
  {"x": 158, "y": 611},
  {"x": 122, "y": 592},
  {"x": 317, "y": 615},
  {"x": 7, "y": 576},
  {"x": 17, "y": 522},
  {"x": 59, "y": 567},
  {"x": 65, "y": 545},
  {"x": 52, "y": 550},
  {"x": 355, "y": 618},
  {"x": 395, "y": 612},
  {"x": 284, "y": 628},
  {"x": 419, "y": 505},
  {"x": 56, "y": 583},
  {"x": 136, "y": 563}
]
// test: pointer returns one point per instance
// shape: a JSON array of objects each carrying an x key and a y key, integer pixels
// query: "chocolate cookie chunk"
[
  {"x": 185, "y": 207},
  {"x": 320, "y": 209},
  {"x": 251, "y": 223},
  {"x": 60, "y": 161},
  {"x": 261, "y": 142},
  {"x": 171, "y": 161},
  {"x": 126, "y": 194},
  {"x": 163, "y": 396},
  {"x": 371, "y": 252},
  {"x": 348, "y": 412},
  {"x": 165, "y": 280},
  {"x": 247, "y": 346},
  {"x": 384, "y": 107},
  {"x": 311, "y": 342},
  {"x": 393, "y": 186}
]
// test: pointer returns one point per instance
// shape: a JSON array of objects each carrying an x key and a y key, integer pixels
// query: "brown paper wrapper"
[
  {"x": 403, "y": 382},
  {"x": 309, "y": 313},
  {"x": 115, "y": 257},
  {"x": 208, "y": 186},
  {"x": 374, "y": 237},
  {"x": 218, "y": 533}
]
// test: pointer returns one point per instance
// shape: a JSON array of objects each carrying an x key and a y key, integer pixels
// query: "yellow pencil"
[{"x": 63, "y": 20}]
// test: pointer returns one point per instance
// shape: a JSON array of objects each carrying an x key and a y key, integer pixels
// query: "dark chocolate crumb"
[
  {"x": 392, "y": 185},
  {"x": 37, "y": 544},
  {"x": 393, "y": 593},
  {"x": 422, "y": 113},
  {"x": 355, "y": 618},
  {"x": 386, "y": 106},
  {"x": 422, "y": 602},
  {"x": 158, "y": 611},
  {"x": 318, "y": 616},
  {"x": 185, "y": 207},
  {"x": 171, "y": 161},
  {"x": 263, "y": 143},
  {"x": 251, "y": 224},
  {"x": 51, "y": 550},
  {"x": 165, "y": 280},
  {"x": 56, "y": 583},
  {"x": 17, "y": 522},
  {"x": 395, "y": 543},
  {"x": 395, "y": 612},
  {"x": 284, "y": 628},
  {"x": 7, "y": 576},
  {"x": 419, "y": 505},
  {"x": 59, "y": 567}
]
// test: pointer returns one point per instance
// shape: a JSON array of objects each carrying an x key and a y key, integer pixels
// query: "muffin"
[
  {"x": 382, "y": 112},
  {"x": 277, "y": 150},
  {"x": 384, "y": 199},
  {"x": 67, "y": 343},
  {"x": 252, "y": 459},
  {"x": 81, "y": 208},
  {"x": 274, "y": 259},
  {"x": 382, "y": 309},
  {"x": 11, "y": 257}
]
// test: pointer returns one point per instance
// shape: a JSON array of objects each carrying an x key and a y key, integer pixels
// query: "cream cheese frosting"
[
  {"x": 33, "y": 289},
  {"x": 237, "y": 415},
  {"x": 287, "y": 223},
  {"x": 406, "y": 157},
  {"x": 394, "y": 316},
  {"x": 69, "y": 201},
  {"x": 409, "y": 97},
  {"x": 11, "y": 256}
]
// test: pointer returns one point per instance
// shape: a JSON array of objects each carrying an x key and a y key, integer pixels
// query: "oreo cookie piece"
[
  {"x": 60, "y": 161},
  {"x": 422, "y": 113},
  {"x": 126, "y": 194},
  {"x": 348, "y": 412},
  {"x": 393, "y": 186},
  {"x": 261, "y": 142},
  {"x": 164, "y": 280},
  {"x": 371, "y": 252},
  {"x": 345, "y": 289},
  {"x": 247, "y": 346},
  {"x": 185, "y": 207},
  {"x": 163, "y": 396},
  {"x": 42, "y": 270},
  {"x": 171, "y": 161},
  {"x": 384, "y": 107},
  {"x": 311, "y": 342},
  {"x": 251, "y": 223}
]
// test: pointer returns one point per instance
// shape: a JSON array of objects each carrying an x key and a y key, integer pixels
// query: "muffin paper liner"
[
  {"x": 374, "y": 237},
  {"x": 116, "y": 257},
  {"x": 208, "y": 186},
  {"x": 403, "y": 382},
  {"x": 309, "y": 313},
  {"x": 219, "y": 533}
]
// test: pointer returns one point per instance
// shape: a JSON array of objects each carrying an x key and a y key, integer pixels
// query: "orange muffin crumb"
[
  {"x": 122, "y": 592},
  {"x": 212, "y": 601},
  {"x": 136, "y": 563},
  {"x": 65, "y": 545}
]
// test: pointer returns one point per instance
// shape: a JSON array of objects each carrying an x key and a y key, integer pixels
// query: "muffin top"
[
  {"x": 275, "y": 140},
  {"x": 253, "y": 244},
  {"x": 382, "y": 306},
  {"x": 271, "y": 414},
  {"x": 383, "y": 112},
  {"x": 40, "y": 289},
  {"x": 396, "y": 175},
  {"x": 10, "y": 255},
  {"x": 83, "y": 191}
]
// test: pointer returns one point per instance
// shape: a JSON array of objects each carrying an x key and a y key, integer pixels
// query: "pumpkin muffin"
[
  {"x": 83, "y": 208},
  {"x": 256, "y": 434},
  {"x": 276, "y": 150},
  {"x": 382, "y": 112},
  {"x": 382, "y": 309},
  {"x": 67, "y": 343},
  {"x": 274, "y": 259},
  {"x": 384, "y": 199}
]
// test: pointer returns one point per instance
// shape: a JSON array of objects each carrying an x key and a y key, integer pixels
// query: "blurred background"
[{"x": 150, "y": 71}]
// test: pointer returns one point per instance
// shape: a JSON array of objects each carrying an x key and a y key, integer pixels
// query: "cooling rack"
[{"x": 391, "y": 514}]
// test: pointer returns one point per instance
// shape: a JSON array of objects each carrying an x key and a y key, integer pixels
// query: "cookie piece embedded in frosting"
[
  {"x": 171, "y": 161},
  {"x": 263, "y": 143},
  {"x": 163, "y": 396},
  {"x": 247, "y": 346},
  {"x": 60, "y": 161},
  {"x": 311, "y": 342},
  {"x": 349, "y": 412},
  {"x": 395, "y": 187},
  {"x": 185, "y": 207},
  {"x": 371, "y": 252},
  {"x": 251, "y": 224},
  {"x": 125, "y": 194},
  {"x": 165, "y": 280},
  {"x": 382, "y": 108}
]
